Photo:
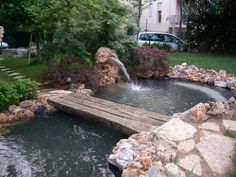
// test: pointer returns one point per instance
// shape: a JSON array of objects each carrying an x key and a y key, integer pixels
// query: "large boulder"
[
  {"x": 197, "y": 113},
  {"x": 106, "y": 66}
]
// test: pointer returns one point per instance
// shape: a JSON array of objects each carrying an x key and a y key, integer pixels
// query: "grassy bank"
[
  {"x": 33, "y": 71},
  {"x": 216, "y": 62}
]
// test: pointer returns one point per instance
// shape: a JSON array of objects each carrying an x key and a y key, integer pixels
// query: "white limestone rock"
[
  {"x": 172, "y": 170},
  {"x": 220, "y": 84},
  {"x": 217, "y": 109},
  {"x": 217, "y": 150},
  {"x": 175, "y": 130},
  {"x": 229, "y": 125},
  {"x": 186, "y": 146},
  {"x": 192, "y": 164},
  {"x": 210, "y": 126}
]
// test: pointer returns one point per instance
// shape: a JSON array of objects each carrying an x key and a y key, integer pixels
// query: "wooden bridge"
[{"x": 123, "y": 118}]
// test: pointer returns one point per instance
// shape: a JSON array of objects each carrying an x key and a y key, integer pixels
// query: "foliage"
[
  {"x": 73, "y": 68},
  {"x": 212, "y": 25},
  {"x": 88, "y": 26},
  {"x": 230, "y": 133},
  {"x": 150, "y": 59},
  {"x": 14, "y": 92},
  {"x": 164, "y": 46},
  {"x": 70, "y": 28}
]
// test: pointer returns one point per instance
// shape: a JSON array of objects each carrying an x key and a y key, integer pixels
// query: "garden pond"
[{"x": 60, "y": 145}]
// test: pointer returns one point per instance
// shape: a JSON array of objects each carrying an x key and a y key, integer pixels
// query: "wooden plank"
[
  {"x": 113, "y": 109},
  {"x": 124, "y": 107},
  {"x": 124, "y": 118}
]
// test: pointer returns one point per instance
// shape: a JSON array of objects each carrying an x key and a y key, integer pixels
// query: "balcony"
[{"x": 174, "y": 20}]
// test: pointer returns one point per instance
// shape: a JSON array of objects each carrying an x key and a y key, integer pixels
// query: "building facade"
[{"x": 162, "y": 16}]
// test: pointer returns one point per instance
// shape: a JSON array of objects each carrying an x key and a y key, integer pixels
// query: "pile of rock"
[
  {"x": 27, "y": 109},
  {"x": 204, "y": 111},
  {"x": 180, "y": 148},
  {"x": 106, "y": 67},
  {"x": 210, "y": 76}
]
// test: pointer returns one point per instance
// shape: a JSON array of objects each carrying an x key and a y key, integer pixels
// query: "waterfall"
[
  {"x": 132, "y": 85},
  {"x": 122, "y": 67}
]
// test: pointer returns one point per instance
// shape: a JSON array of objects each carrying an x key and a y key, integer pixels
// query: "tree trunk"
[
  {"x": 188, "y": 25},
  {"x": 30, "y": 43},
  {"x": 180, "y": 26},
  {"x": 139, "y": 12}
]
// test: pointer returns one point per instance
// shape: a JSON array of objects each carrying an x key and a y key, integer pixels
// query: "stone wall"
[
  {"x": 209, "y": 76},
  {"x": 191, "y": 143}
]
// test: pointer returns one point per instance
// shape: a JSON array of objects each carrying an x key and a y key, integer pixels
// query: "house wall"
[{"x": 149, "y": 18}]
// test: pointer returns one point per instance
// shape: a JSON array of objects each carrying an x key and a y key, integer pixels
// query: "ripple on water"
[{"x": 59, "y": 145}]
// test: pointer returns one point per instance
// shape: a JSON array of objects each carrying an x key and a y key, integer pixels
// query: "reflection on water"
[
  {"x": 164, "y": 96},
  {"x": 59, "y": 145}
]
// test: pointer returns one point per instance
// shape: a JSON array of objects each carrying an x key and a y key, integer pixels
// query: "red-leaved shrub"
[
  {"x": 147, "y": 59},
  {"x": 71, "y": 67}
]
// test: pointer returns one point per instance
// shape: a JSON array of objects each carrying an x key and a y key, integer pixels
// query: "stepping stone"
[
  {"x": 6, "y": 69},
  {"x": 192, "y": 164},
  {"x": 10, "y": 71},
  {"x": 176, "y": 130},
  {"x": 217, "y": 150},
  {"x": 210, "y": 126},
  {"x": 229, "y": 125},
  {"x": 18, "y": 77},
  {"x": 186, "y": 146},
  {"x": 14, "y": 74}
]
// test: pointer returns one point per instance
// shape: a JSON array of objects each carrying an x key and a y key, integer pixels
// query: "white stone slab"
[
  {"x": 14, "y": 74},
  {"x": 176, "y": 130},
  {"x": 186, "y": 146},
  {"x": 217, "y": 150},
  {"x": 210, "y": 126},
  {"x": 229, "y": 125},
  {"x": 192, "y": 164}
]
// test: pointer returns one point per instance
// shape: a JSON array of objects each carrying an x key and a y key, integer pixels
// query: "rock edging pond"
[
  {"x": 27, "y": 109},
  {"x": 191, "y": 143}
]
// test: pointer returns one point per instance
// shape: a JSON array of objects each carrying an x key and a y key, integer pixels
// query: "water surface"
[
  {"x": 57, "y": 145},
  {"x": 165, "y": 96}
]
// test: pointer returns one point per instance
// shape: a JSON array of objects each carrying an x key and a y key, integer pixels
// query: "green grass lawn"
[
  {"x": 216, "y": 62},
  {"x": 33, "y": 71}
]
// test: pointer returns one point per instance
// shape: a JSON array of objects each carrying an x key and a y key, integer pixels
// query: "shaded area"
[{"x": 57, "y": 145}]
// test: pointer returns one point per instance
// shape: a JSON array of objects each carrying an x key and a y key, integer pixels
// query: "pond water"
[
  {"x": 57, "y": 145},
  {"x": 165, "y": 96},
  {"x": 61, "y": 145}
]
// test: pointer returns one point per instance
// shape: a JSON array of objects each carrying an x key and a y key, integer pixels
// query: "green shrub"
[
  {"x": 164, "y": 46},
  {"x": 14, "y": 92}
]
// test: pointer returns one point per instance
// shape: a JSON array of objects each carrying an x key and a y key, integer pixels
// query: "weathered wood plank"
[
  {"x": 124, "y": 118},
  {"x": 114, "y": 109}
]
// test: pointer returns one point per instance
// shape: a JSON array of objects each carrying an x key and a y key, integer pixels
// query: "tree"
[
  {"x": 213, "y": 25},
  {"x": 69, "y": 27},
  {"x": 138, "y": 6}
]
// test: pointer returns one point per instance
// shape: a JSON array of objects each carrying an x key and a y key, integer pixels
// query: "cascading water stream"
[{"x": 121, "y": 65}]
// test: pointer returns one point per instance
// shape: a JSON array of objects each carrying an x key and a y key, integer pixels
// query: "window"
[
  {"x": 159, "y": 11},
  {"x": 170, "y": 39},
  {"x": 143, "y": 37}
]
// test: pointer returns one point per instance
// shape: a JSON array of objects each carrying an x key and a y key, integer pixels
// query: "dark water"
[
  {"x": 57, "y": 145},
  {"x": 165, "y": 96},
  {"x": 60, "y": 145}
]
